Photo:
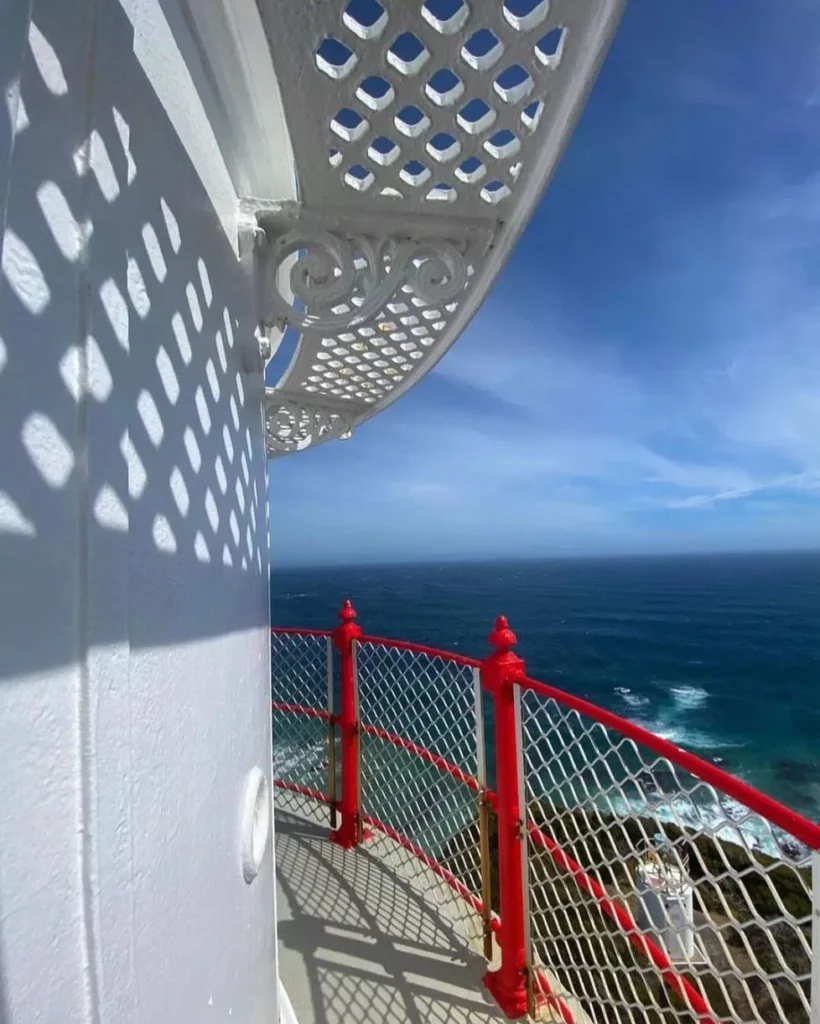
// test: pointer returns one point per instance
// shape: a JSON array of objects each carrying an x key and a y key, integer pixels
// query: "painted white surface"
[
  {"x": 366, "y": 338},
  {"x": 287, "y": 1015},
  {"x": 134, "y": 648}
]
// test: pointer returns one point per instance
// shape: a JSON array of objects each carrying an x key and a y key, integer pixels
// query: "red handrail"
[
  {"x": 424, "y": 754},
  {"x": 802, "y": 829},
  {"x": 626, "y": 922},
  {"x": 434, "y": 865},
  {"x": 767, "y": 807},
  {"x": 401, "y": 645},
  {"x": 300, "y": 709},
  {"x": 807, "y": 832},
  {"x": 619, "y": 914},
  {"x": 433, "y": 652}
]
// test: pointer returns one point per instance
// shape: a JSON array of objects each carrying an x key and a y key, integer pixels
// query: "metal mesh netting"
[
  {"x": 299, "y": 675},
  {"x": 428, "y": 701},
  {"x": 654, "y": 897}
]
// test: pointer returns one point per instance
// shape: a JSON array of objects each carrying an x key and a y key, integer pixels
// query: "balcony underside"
[{"x": 421, "y": 138}]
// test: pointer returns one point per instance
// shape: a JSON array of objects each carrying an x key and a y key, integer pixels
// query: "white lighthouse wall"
[{"x": 134, "y": 645}]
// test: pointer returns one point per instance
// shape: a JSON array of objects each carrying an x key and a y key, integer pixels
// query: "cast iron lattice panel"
[
  {"x": 620, "y": 813},
  {"x": 299, "y": 676},
  {"x": 437, "y": 120},
  {"x": 428, "y": 701},
  {"x": 433, "y": 103},
  {"x": 365, "y": 363}
]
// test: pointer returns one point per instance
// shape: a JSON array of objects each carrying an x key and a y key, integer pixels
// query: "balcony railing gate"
[{"x": 609, "y": 876}]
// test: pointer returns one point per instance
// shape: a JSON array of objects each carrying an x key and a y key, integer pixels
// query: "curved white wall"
[{"x": 134, "y": 646}]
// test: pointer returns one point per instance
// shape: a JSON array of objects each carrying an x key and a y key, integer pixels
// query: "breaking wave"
[
  {"x": 688, "y": 698},
  {"x": 633, "y": 700}
]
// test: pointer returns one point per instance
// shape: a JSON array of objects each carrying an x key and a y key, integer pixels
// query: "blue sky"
[{"x": 645, "y": 374}]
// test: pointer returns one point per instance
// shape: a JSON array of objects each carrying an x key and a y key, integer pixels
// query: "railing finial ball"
[
  {"x": 502, "y": 637},
  {"x": 348, "y": 612}
]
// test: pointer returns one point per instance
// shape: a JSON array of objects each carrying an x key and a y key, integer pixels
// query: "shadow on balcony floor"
[{"x": 358, "y": 942}]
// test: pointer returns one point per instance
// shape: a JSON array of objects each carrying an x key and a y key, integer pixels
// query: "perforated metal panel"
[{"x": 423, "y": 135}]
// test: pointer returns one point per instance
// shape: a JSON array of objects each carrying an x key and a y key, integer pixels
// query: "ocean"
[{"x": 719, "y": 654}]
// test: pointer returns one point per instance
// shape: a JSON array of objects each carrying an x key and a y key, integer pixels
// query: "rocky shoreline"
[{"x": 752, "y": 915}]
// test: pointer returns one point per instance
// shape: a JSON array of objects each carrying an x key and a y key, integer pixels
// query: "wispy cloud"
[{"x": 646, "y": 372}]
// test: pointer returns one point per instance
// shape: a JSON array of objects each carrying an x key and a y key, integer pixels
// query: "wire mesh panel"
[
  {"x": 300, "y": 681},
  {"x": 420, "y": 757},
  {"x": 654, "y": 896}
]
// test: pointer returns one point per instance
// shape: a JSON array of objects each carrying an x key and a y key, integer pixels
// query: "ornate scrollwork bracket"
[
  {"x": 295, "y": 423},
  {"x": 341, "y": 281}
]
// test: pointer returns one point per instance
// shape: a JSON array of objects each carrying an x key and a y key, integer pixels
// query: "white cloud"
[{"x": 549, "y": 433}]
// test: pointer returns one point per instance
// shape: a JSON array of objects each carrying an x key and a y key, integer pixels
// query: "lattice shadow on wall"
[{"x": 123, "y": 320}]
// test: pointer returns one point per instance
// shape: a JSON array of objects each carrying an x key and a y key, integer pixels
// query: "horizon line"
[{"x": 428, "y": 561}]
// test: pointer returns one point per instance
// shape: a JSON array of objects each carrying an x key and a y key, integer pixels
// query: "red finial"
[
  {"x": 502, "y": 637},
  {"x": 347, "y": 630},
  {"x": 348, "y": 612}
]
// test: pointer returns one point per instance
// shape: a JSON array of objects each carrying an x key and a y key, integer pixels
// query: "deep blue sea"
[{"x": 720, "y": 654}]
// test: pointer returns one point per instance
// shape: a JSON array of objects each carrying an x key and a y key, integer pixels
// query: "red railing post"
[
  {"x": 347, "y": 835},
  {"x": 508, "y": 985}
]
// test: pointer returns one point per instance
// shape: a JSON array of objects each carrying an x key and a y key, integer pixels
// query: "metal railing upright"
[{"x": 610, "y": 876}]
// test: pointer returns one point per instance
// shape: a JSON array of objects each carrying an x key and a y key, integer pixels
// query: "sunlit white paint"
[
  {"x": 48, "y": 64},
  {"x": 179, "y": 491},
  {"x": 100, "y": 382},
  {"x": 192, "y": 448},
  {"x": 134, "y": 675},
  {"x": 167, "y": 375},
  {"x": 116, "y": 309},
  {"x": 151, "y": 419},
  {"x": 70, "y": 371},
  {"x": 12, "y": 519},
  {"x": 202, "y": 410},
  {"x": 181, "y": 336},
  {"x": 154, "y": 250},
  {"x": 124, "y": 132},
  {"x": 101, "y": 166},
  {"x": 49, "y": 451},
  {"x": 171, "y": 226},
  {"x": 66, "y": 231},
  {"x": 194, "y": 306},
  {"x": 201, "y": 548},
  {"x": 287, "y": 1014},
  {"x": 137, "y": 477},
  {"x": 137, "y": 291},
  {"x": 24, "y": 274},
  {"x": 109, "y": 510},
  {"x": 163, "y": 535}
]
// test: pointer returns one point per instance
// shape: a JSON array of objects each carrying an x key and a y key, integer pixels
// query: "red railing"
[{"x": 617, "y": 877}]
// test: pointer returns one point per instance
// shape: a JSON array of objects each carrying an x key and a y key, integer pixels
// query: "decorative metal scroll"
[
  {"x": 344, "y": 282},
  {"x": 293, "y": 424}
]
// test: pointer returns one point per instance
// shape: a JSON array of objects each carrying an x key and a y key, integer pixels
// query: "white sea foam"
[
  {"x": 690, "y": 739},
  {"x": 701, "y": 810},
  {"x": 688, "y": 698},
  {"x": 292, "y": 759},
  {"x": 724, "y": 819},
  {"x": 630, "y": 698}
]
